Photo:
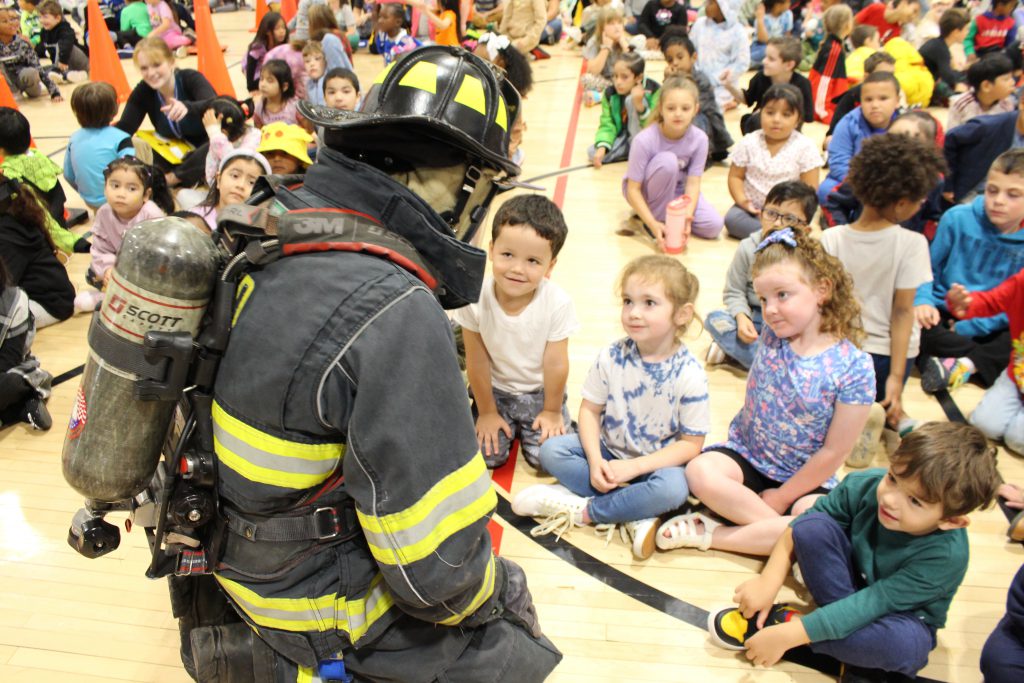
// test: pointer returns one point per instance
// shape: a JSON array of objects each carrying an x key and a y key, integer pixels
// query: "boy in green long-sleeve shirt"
[{"x": 882, "y": 555}]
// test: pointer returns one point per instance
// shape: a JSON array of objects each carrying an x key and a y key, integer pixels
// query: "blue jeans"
[
  {"x": 1000, "y": 414},
  {"x": 646, "y": 496},
  {"x": 757, "y": 50},
  {"x": 896, "y": 642},
  {"x": 882, "y": 365},
  {"x": 722, "y": 328},
  {"x": 552, "y": 32}
]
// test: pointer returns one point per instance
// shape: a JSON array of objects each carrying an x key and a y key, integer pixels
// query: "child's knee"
[
  {"x": 663, "y": 164},
  {"x": 671, "y": 487},
  {"x": 812, "y": 528},
  {"x": 555, "y": 449}
]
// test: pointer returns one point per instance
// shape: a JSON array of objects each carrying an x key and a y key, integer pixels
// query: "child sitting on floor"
[
  {"x": 644, "y": 415},
  {"x": 979, "y": 245},
  {"x": 625, "y": 109},
  {"x": 779, "y": 67},
  {"x": 517, "y": 335},
  {"x": 92, "y": 147},
  {"x": 1000, "y": 414},
  {"x": 681, "y": 60},
  {"x": 890, "y": 176},
  {"x": 776, "y": 153},
  {"x": 666, "y": 160},
  {"x": 723, "y": 49},
  {"x": 807, "y": 399},
  {"x": 882, "y": 556},
  {"x": 991, "y": 84},
  {"x": 789, "y": 204}
]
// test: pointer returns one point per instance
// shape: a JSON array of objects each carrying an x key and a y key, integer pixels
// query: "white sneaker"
[
  {"x": 716, "y": 356},
  {"x": 643, "y": 534},
  {"x": 76, "y": 76},
  {"x": 561, "y": 508},
  {"x": 55, "y": 77},
  {"x": 869, "y": 441},
  {"x": 181, "y": 52}
]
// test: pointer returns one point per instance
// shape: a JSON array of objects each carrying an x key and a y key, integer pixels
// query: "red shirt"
[
  {"x": 1007, "y": 298},
  {"x": 874, "y": 15}
]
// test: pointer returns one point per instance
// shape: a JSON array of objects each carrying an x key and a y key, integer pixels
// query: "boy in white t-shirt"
[
  {"x": 517, "y": 335},
  {"x": 891, "y": 176}
]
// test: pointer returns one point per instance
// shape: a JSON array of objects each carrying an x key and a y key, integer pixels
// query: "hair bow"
[
  {"x": 784, "y": 236},
  {"x": 495, "y": 43}
]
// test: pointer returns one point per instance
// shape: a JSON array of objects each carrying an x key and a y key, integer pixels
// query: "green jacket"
[
  {"x": 43, "y": 173},
  {"x": 613, "y": 113}
]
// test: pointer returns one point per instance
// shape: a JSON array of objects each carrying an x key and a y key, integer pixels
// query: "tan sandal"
[{"x": 681, "y": 532}]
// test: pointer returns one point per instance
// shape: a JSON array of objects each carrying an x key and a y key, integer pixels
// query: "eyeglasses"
[{"x": 773, "y": 216}]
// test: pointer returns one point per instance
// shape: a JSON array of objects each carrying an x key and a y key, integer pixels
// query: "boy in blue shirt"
[
  {"x": 92, "y": 147},
  {"x": 882, "y": 555}
]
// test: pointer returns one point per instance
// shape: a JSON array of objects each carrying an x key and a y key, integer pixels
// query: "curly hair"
[
  {"x": 840, "y": 311},
  {"x": 681, "y": 286},
  {"x": 891, "y": 167}
]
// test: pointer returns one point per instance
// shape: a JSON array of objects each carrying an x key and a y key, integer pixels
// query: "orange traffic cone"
[
  {"x": 211, "y": 57},
  {"x": 288, "y": 10},
  {"x": 104, "y": 64},
  {"x": 261, "y": 9}
]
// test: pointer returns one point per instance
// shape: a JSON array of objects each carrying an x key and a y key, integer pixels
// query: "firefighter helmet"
[{"x": 434, "y": 94}]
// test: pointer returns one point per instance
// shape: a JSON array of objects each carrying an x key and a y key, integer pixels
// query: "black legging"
[
  {"x": 14, "y": 392},
  {"x": 192, "y": 169}
]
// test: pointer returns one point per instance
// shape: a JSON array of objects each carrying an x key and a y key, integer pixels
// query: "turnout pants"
[{"x": 217, "y": 647}]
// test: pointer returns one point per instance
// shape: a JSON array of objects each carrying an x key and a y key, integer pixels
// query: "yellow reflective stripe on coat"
[
  {"x": 265, "y": 459},
  {"x": 482, "y": 596},
  {"x": 307, "y": 675},
  {"x": 353, "y": 616},
  {"x": 463, "y": 497}
]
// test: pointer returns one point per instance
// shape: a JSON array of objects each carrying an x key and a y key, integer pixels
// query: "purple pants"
[
  {"x": 663, "y": 182},
  {"x": 897, "y": 642}
]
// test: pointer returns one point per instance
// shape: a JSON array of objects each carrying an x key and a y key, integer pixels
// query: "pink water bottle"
[{"x": 677, "y": 225}]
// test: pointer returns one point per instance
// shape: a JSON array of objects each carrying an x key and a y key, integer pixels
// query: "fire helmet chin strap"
[{"x": 472, "y": 177}]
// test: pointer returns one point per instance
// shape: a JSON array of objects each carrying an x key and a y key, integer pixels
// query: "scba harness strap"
[{"x": 330, "y": 229}]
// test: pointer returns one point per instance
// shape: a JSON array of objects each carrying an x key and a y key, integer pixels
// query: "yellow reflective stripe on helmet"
[
  {"x": 353, "y": 616},
  {"x": 384, "y": 73},
  {"x": 265, "y": 459},
  {"x": 452, "y": 504},
  {"x": 482, "y": 595},
  {"x": 501, "y": 117},
  {"x": 471, "y": 94},
  {"x": 423, "y": 76},
  {"x": 242, "y": 294}
]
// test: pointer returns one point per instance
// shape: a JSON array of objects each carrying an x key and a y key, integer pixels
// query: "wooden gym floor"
[{"x": 65, "y": 618}]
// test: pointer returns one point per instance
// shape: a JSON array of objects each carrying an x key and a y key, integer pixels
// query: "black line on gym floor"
[
  {"x": 649, "y": 595},
  {"x": 65, "y": 376}
]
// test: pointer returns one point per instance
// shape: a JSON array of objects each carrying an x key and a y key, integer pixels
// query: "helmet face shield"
[{"x": 429, "y": 107}]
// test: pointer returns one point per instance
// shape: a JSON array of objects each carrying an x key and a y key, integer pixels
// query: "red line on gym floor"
[{"x": 570, "y": 139}]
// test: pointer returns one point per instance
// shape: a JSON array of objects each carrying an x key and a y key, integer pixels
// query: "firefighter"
[{"x": 354, "y": 502}]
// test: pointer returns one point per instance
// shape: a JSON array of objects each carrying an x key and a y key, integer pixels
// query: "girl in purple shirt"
[{"x": 666, "y": 160}]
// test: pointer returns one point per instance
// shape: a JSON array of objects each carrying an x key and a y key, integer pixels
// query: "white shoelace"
[{"x": 558, "y": 523}]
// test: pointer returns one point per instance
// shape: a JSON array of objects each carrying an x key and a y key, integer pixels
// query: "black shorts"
[{"x": 754, "y": 480}]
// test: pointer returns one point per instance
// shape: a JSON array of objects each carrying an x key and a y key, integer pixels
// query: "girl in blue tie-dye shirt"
[
  {"x": 808, "y": 395},
  {"x": 644, "y": 415}
]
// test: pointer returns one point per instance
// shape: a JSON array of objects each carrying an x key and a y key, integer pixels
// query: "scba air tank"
[{"x": 162, "y": 280}]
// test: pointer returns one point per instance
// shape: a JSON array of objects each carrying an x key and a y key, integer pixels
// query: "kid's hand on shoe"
[
  {"x": 766, "y": 647},
  {"x": 487, "y": 427},
  {"x": 549, "y": 423},
  {"x": 927, "y": 316},
  {"x": 756, "y": 596}
]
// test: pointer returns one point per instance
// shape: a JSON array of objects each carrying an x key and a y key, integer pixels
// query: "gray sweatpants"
[
  {"x": 519, "y": 411},
  {"x": 27, "y": 80}
]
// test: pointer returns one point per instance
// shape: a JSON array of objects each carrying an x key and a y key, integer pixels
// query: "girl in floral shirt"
[{"x": 808, "y": 395}]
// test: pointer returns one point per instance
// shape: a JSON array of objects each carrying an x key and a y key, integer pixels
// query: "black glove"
[{"x": 516, "y": 601}]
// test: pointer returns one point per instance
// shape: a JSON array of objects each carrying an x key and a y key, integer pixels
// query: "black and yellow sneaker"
[{"x": 729, "y": 629}]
